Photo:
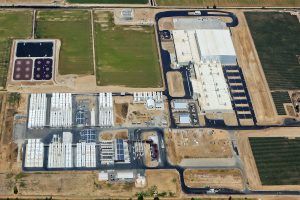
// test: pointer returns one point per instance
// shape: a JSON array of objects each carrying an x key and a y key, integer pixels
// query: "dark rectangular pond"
[
  {"x": 42, "y": 69},
  {"x": 22, "y": 69},
  {"x": 34, "y": 49}
]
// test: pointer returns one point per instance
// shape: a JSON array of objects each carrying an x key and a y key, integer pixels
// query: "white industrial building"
[
  {"x": 152, "y": 100},
  {"x": 178, "y": 105},
  {"x": 60, "y": 153},
  {"x": 207, "y": 50},
  {"x": 103, "y": 176},
  {"x": 107, "y": 152},
  {"x": 37, "y": 111},
  {"x": 216, "y": 44},
  {"x": 106, "y": 110},
  {"x": 86, "y": 155},
  {"x": 191, "y": 46},
  {"x": 34, "y": 154},
  {"x": 184, "y": 118},
  {"x": 125, "y": 175},
  {"x": 210, "y": 85},
  {"x": 61, "y": 110}
]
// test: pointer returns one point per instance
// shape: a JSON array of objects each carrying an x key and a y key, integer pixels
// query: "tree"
[
  {"x": 14, "y": 98},
  {"x": 16, "y": 190},
  {"x": 140, "y": 197}
]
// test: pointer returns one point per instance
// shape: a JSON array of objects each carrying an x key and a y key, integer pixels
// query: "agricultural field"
[
  {"x": 110, "y": 1},
  {"x": 217, "y": 3},
  {"x": 125, "y": 55},
  {"x": 279, "y": 99},
  {"x": 277, "y": 159},
  {"x": 14, "y": 25},
  {"x": 73, "y": 28},
  {"x": 277, "y": 50}
]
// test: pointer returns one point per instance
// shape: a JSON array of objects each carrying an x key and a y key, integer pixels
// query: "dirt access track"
[
  {"x": 249, "y": 161},
  {"x": 219, "y": 178},
  {"x": 248, "y": 60}
]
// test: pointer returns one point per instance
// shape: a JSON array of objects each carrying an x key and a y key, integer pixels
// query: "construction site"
[{"x": 194, "y": 124}]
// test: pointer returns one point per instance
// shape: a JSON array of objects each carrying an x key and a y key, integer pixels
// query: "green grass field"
[
  {"x": 276, "y": 37},
  {"x": 13, "y": 25},
  {"x": 277, "y": 160},
  {"x": 73, "y": 28},
  {"x": 125, "y": 55},
  {"x": 211, "y": 3},
  {"x": 110, "y": 1}
]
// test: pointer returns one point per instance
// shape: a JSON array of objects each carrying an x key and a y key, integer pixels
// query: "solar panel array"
[{"x": 120, "y": 150}]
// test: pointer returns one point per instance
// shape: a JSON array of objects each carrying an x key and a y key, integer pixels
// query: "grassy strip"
[
  {"x": 13, "y": 25},
  {"x": 125, "y": 55},
  {"x": 73, "y": 28}
]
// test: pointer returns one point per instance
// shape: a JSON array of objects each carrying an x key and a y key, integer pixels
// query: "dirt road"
[{"x": 256, "y": 82}]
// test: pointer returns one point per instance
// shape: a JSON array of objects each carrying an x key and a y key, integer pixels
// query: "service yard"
[
  {"x": 270, "y": 158},
  {"x": 129, "y": 114},
  {"x": 73, "y": 28},
  {"x": 14, "y": 25},
  {"x": 245, "y": 3},
  {"x": 125, "y": 55},
  {"x": 219, "y": 178},
  {"x": 197, "y": 143}
]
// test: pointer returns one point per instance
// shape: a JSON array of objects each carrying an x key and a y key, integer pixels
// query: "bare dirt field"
[
  {"x": 114, "y": 134},
  {"x": 165, "y": 180},
  {"x": 83, "y": 185},
  {"x": 229, "y": 178},
  {"x": 197, "y": 143},
  {"x": 175, "y": 84},
  {"x": 8, "y": 149},
  {"x": 252, "y": 69},
  {"x": 166, "y": 23},
  {"x": 248, "y": 159}
]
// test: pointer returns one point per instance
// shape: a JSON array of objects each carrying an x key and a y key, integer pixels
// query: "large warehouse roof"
[
  {"x": 215, "y": 42},
  {"x": 182, "y": 46},
  {"x": 211, "y": 85}
]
